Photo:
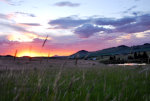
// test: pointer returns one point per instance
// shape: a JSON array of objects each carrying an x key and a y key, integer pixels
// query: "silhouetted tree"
[
  {"x": 130, "y": 57},
  {"x": 110, "y": 58},
  {"x": 118, "y": 59},
  {"x": 145, "y": 55},
  {"x": 139, "y": 55},
  {"x": 135, "y": 55},
  {"x": 114, "y": 58}
]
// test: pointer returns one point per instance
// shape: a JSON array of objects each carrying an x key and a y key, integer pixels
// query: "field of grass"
[{"x": 64, "y": 81}]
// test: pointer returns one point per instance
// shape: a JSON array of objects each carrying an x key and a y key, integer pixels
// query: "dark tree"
[
  {"x": 114, "y": 58},
  {"x": 118, "y": 59},
  {"x": 130, "y": 57},
  {"x": 139, "y": 55},
  {"x": 135, "y": 55},
  {"x": 145, "y": 55},
  {"x": 110, "y": 58}
]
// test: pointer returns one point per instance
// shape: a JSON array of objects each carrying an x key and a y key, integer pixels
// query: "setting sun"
[
  {"x": 43, "y": 53},
  {"x": 31, "y": 54}
]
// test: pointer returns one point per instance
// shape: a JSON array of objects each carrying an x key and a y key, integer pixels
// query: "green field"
[{"x": 66, "y": 82}]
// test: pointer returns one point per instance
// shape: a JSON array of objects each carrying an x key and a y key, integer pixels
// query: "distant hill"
[
  {"x": 112, "y": 51},
  {"x": 80, "y": 54},
  {"x": 6, "y": 56}
]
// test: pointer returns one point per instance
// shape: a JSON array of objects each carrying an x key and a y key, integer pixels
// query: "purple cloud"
[
  {"x": 14, "y": 27},
  {"x": 114, "y": 22},
  {"x": 26, "y": 14},
  {"x": 3, "y": 16},
  {"x": 31, "y": 24},
  {"x": 67, "y": 3},
  {"x": 68, "y": 22},
  {"x": 88, "y": 27},
  {"x": 132, "y": 28},
  {"x": 141, "y": 23},
  {"x": 87, "y": 30},
  {"x": 5, "y": 42},
  {"x": 132, "y": 24}
]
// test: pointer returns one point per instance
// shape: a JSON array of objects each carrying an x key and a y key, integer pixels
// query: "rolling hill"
[{"x": 122, "y": 49}]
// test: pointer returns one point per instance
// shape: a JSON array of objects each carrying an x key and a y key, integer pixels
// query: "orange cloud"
[
  {"x": 10, "y": 16},
  {"x": 121, "y": 38},
  {"x": 26, "y": 37}
]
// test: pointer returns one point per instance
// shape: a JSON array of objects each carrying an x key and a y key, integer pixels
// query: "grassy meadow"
[{"x": 62, "y": 80}]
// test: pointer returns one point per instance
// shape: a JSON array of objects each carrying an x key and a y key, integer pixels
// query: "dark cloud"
[
  {"x": 132, "y": 24},
  {"x": 26, "y": 14},
  {"x": 144, "y": 20},
  {"x": 31, "y": 24},
  {"x": 88, "y": 30},
  {"x": 132, "y": 28},
  {"x": 114, "y": 22},
  {"x": 137, "y": 13},
  {"x": 142, "y": 23},
  {"x": 88, "y": 27},
  {"x": 128, "y": 24},
  {"x": 67, "y": 3},
  {"x": 67, "y": 22}
]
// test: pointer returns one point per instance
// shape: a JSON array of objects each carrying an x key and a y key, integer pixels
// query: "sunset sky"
[{"x": 71, "y": 25}]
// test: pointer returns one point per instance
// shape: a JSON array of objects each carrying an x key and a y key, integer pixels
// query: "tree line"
[{"x": 137, "y": 55}]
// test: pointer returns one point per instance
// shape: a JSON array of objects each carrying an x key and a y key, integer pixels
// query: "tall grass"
[
  {"x": 15, "y": 55},
  {"x": 45, "y": 41},
  {"x": 46, "y": 38},
  {"x": 75, "y": 84}
]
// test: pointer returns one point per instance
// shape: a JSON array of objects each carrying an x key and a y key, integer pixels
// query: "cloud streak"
[
  {"x": 25, "y": 14},
  {"x": 13, "y": 2},
  {"x": 30, "y": 24},
  {"x": 68, "y": 22},
  {"x": 19, "y": 33},
  {"x": 15, "y": 27},
  {"x": 130, "y": 9},
  {"x": 66, "y": 3}
]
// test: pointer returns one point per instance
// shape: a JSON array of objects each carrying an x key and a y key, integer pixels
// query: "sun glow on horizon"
[
  {"x": 32, "y": 54},
  {"x": 43, "y": 53},
  {"x": 26, "y": 37}
]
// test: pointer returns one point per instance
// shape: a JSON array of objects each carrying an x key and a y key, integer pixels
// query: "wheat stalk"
[
  {"x": 55, "y": 85},
  {"x": 48, "y": 56},
  {"x": 15, "y": 54},
  {"x": 77, "y": 57},
  {"x": 43, "y": 46},
  {"x": 89, "y": 93},
  {"x": 45, "y": 41}
]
